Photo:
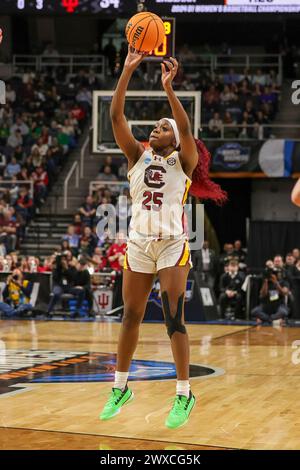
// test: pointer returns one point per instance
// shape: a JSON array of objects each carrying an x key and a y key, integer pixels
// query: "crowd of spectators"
[
  {"x": 226, "y": 274},
  {"x": 40, "y": 124},
  {"x": 235, "y": 103},
  {"x": 243, "y": 103}
]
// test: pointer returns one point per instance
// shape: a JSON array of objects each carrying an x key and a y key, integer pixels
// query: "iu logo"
[
  {"x": 70, "y": 5},
  {"x": 154, "y": 176},
  {"x": 103, "y": 300}
]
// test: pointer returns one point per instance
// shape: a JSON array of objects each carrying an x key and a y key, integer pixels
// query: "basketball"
[{"x": 145, "y": 31}]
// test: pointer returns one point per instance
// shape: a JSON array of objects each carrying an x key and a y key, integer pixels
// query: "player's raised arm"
[
  {"x": 295, "y": 196},
  {"x": 188, "y": 150},
  {"x": 124, "y": 138}
]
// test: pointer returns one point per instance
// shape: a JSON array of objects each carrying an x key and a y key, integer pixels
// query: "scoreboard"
[
  {"x": 126, "y": 8},
  {"x": 167, "y": 49}
]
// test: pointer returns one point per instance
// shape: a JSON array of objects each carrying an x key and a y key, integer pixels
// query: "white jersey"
[{"x": 159, "y": 189}]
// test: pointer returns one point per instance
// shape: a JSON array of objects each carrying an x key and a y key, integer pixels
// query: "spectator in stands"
[
  {"x": 40, "y": 147},
  {"x": 290, "y": 267},
  {"x": 88, "y": 242},
  {"x": 15, "y": 139},
  {"x": 99, "y": 259},
  {"x": 273, "y": 297},
  {"x": 5, "y": 263},
  {"x": 211, "y": 97},
  {"x": 16, "y": 295},
  {"x": 109, "y": 161},
  {"x": 261, "y": 120},
  {"x": 20, "y": 126},
  {"x": 64, "y": 280},
  {"x": 19, "y": 154},
  {"x": 47, "y": 266},
  {"x": 73, "y": 240},
  {"x": 226, "y": 256},
  {"x": 88, "y": 211},
  {"x": 24, "y": 205},
  {"x": 117, "y": 249},
  {"x": 239, "y": 253},
  {"x": 249, "y": 108},
  {"x": 10, "y": 94},
  {"x": 215, "y": 126},
  {"x": 41, "y": 181},
  {"x": 110, "y": 52},
  {"x": 247, "y": 129},
  {"x": 230, "y": 131},
  {"x": 13, "y": 168},
  {"x": 33, "y": 264},
  {"x": 205, "y": 262},
  {"x": 259, "y": 78},
  {"x": 51, "y": 167},
  {"x": 227, "y": 95},
  {"x": 296, "y": 254},
  {"x": 65, "y": 246},
  {"x": 188, "y": 85},
  {"x": 78, "y": 224},
  {"x": 278, "y": 262},
  {"x": 107, "y": 174},
  {"x": 50, "y": 50},
  {"x": 84, "y": 97},
  {"x": 8, "y": 229},
  {"x": 231, "y": 290},
  {"x": 186, "y": 54},
  {"x": 231, "y": 77}
]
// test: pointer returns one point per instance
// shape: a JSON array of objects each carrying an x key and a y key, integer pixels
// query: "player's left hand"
[{"x": 169, "y": 70}]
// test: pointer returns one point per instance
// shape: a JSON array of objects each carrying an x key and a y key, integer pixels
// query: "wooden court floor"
[{"x": 246, "y": 382}]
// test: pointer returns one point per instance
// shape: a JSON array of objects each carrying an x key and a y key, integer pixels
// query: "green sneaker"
[
  {"x": 180, "y": 412},
  {"x": 117, "y": 399}
]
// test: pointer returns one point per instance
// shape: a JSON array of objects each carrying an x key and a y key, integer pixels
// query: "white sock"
[
  {"x": 183, "y": 388},
  {"x": 120, "y": 379}
]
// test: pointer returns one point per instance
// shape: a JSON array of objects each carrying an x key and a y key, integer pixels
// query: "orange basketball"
[{"x": 145, "y": 31}]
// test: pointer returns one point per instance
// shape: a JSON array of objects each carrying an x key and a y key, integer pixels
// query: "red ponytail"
[{"x": 202, "y": 186}]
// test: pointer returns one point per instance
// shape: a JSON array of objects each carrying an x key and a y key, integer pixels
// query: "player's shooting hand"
[
  {"x": 169, "y": 70},
  {"x": 133, "y": 58}
]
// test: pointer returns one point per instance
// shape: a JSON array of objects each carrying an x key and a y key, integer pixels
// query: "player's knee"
[
  {"x": 173, "y": 314},
  {"x": 132, "y": 318}
]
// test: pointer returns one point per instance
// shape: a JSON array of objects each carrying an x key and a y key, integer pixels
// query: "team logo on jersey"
[
  {"x": 147, "y": 160},
  {"x": 171, "y": 161},
  {"x": 154, "y": 176},
  {"x": 23, "y": 368}
]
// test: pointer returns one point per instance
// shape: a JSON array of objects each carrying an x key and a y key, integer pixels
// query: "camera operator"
[
  {"x": 231, "y": 289},
  {"x": 64, "y": 282},
  {"x": 16, "y": 294},
  {"x": 273, "y": 295}
]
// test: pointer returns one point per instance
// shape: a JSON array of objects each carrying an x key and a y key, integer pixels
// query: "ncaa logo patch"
[{"x": 20, "y": 369}]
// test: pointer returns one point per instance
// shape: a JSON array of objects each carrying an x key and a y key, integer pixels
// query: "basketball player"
[
  {"x": 160, "y": 179},
  {"x": 296, "y": 193}
]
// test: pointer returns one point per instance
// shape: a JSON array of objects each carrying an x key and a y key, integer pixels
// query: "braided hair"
[{"x": 202, "y": 186}]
